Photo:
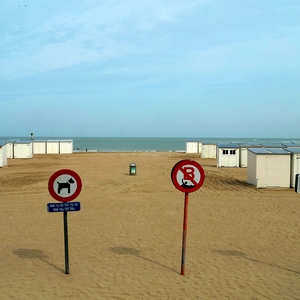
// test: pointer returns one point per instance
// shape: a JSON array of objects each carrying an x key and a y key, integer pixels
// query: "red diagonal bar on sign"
[{"x": 188, "y": 175}]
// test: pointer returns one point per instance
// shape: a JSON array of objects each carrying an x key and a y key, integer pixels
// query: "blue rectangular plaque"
[{"x": 63, "y": 207}]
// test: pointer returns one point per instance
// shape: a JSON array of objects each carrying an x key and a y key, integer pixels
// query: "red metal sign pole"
[{"x": 185, "y": 216}]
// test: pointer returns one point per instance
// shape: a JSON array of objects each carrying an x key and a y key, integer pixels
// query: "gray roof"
[
  {"x": 293, "y": 149},
  {"x": 23, "y": 142},
  {"x": 267, "y": 143},
  {"x": 8, "y": 141},
  {"x": 277, "y": 151},
  {"x": 209, "y": 142},
  {"x": 248, "y": 145},
  {"x": 293, "y": 144},
  {"x": 269, "y": 151},
  {"x": 287, "y": 143},
  {"x": 54, "y": 141},
  {"x": 231, "y": 145},
  {"x": 272, "y": 144}
]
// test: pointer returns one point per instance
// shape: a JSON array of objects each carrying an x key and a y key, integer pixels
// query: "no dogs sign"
[{"x": 64, "y": 185}]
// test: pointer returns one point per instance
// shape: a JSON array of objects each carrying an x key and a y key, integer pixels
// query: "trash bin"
[{"x": 132, "y": 169}]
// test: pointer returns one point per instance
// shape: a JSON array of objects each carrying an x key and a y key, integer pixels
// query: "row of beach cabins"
[
  {"x": 272, "y": 164},
  {"x": 10, "y": 149}
]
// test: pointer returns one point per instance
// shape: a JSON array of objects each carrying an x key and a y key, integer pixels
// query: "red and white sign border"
[
  {"x": 178, "y": 167},
  {"x": 55, "y": 175}
]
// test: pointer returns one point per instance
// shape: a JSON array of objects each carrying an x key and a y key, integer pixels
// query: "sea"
[{"x": 145, "y": 144}]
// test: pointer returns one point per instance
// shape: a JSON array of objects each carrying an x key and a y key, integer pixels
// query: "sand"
[{"x": 126, "y": 241}]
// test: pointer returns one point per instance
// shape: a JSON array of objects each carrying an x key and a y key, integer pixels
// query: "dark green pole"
[{"x": 66, "y": 243}]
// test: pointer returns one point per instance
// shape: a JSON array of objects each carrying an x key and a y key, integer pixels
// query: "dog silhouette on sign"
[{"x": 65, "y": 185}]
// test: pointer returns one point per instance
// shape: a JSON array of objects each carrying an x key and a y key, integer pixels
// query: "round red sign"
[
  {"x": 64, "y": 185},
  {"x": 187, "y": 176}
]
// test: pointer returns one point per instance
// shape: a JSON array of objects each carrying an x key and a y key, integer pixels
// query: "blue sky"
[{"x": 152, "y": 68}]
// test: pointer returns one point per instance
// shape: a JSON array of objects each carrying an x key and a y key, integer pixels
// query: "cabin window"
[
  {"x": 225, "y": 152},
  {"x": 232, "y": 152}
]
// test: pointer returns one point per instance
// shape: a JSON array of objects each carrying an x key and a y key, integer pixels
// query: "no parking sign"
[{"x": 187, "y": 176}]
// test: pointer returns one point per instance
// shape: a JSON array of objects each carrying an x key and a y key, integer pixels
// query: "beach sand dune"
[{"x": 125, "y": 242}]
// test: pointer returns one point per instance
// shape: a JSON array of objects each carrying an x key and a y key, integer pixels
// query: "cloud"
[
  {"x": 87, "y": 34},
  {"x": 241, "y": 59}
]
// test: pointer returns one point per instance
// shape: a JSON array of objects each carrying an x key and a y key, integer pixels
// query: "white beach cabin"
[
  {"x": 22, "y": 149},
  {"x": 295, "y": 163},
  {"x": 200, "y": 148},
  {"x": 228, "y": 155},
  {"x": 269, "y": 167},
  {"x": 244, "y": 153},
  {"x": 52, "y": 147},
  {"x": 10, "y": 148},
  {"x": 192, "y": 147},
  {"x": 3, "y": 154},
  {"x": 66, "y": 146},
  {"x": 209, "y": 150},
  {"x": 39, "y": 147}
]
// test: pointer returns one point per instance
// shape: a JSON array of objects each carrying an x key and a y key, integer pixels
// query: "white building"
[
  {"x": 3, "y": 154},
  {"x": 39, "y": 147},
  {"x": 295, "y": 164},
  {"x": 22, "y": 149},
  {"x": 52, "y": 146},
  {"x": 209, "y": 150},
  {"x": 200, "y": 148},
  {"x": 192, "y": 147},
  {"x": 10, "y": 148},
  {"x": 66, "y": 146},
  {"x": 269, "y": 167},
  {"x": 244, "y": 153},
  {"x": 228, "y": 155}
]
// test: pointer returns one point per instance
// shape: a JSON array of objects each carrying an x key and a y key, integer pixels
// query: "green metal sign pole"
[{"x": 66, "y": 243}]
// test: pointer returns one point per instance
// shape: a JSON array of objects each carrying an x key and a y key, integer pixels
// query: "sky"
[{"x": 150, "y": 68}]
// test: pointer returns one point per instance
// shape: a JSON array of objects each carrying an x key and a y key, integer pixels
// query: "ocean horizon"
[{"x": 144, "y": 144}]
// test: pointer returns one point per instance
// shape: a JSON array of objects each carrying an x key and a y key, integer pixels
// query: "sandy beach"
[{"x": 125, "y": 242}]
